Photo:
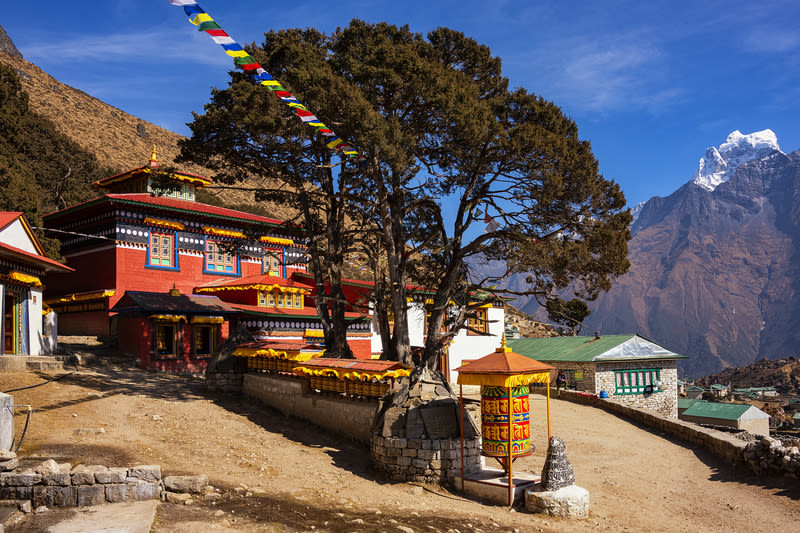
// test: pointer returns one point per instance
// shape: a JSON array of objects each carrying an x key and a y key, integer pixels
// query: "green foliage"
[
  {"x": 571, "y": 313},
  {"x": 41, "y": 170},
  {"x": 447, "y": 147}
]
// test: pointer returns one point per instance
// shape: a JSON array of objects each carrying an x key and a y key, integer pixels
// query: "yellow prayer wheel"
[{"x": 495, "y": 422}]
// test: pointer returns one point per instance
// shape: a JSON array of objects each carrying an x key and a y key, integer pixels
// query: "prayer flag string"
[{"x": 245, "y": 61}]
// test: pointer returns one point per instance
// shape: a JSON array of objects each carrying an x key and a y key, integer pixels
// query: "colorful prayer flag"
[{"x": 243, "y": 60}]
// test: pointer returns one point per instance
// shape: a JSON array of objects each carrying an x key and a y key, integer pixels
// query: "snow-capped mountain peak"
[{"x": 719, "y": 164}]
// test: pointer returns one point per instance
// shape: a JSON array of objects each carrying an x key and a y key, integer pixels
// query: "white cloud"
[{"x": 140, "y": 47}]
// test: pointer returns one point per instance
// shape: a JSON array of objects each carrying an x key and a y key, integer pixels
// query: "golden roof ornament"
[
  {"x": 153, "y": 158},
  {"x": 503, "y": 348}
]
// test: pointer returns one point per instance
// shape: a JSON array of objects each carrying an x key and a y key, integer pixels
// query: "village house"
[
  {"x": 23, "y": 264},
  {"x": 731, "y": 415},
  {"x": 627, "y": 368},
  {"x": 694, "y": 392}
]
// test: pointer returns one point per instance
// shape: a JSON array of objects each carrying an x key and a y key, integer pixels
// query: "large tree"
[{"x": 447, "y": 147}]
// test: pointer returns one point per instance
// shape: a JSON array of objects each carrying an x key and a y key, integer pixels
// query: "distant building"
[
  {"x": 693, "y": 392},
  {"x": 719, "y": 391},
  {"x": 796, "y": 419},
  {"x": 629, "y": 368},
  {"x": 732, "y": 415}
]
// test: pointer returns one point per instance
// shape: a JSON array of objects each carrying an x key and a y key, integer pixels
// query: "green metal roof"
[
  {"x": 629, "y": 347},
  {"x": 723, "y": 411},
  {"x": 685, "y": 403}
]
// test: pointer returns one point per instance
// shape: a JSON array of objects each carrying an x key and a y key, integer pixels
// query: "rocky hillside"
[
  {"x": 783, "y": 374},
  {"x": 118, "y": 140},
  {"x": 714, "y": 270}
]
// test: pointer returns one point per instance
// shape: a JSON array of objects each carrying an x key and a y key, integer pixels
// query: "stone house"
[
  {"x": 694, "y": 392},
  {"x": 733, "y": 415},
  {"x": 630, "y": 369}
]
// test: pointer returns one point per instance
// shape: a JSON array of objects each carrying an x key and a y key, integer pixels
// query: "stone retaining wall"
[
  {"x": 724, "y": 445},
  {"x": 423, "y": 460},
  {"x": 774, "y": 456},
  {"x": 227, "y": 382},
  {"x": 63, "y": 486}
]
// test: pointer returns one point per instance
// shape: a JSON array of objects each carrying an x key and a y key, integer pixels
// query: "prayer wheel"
[{"x": 494, "y": 417}]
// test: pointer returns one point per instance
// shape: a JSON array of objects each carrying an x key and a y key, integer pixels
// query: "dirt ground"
[{"x": 280, "y": 474}]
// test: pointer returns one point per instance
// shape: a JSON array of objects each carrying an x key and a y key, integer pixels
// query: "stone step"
[{"x": 22, "y": 363}]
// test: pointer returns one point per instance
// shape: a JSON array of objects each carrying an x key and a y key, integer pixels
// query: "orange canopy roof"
[{"x": 503, "y": 368}]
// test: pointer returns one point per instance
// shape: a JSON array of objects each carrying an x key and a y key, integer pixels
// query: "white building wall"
[
  {"x": 465, "y": 346},
  {"x": 416, "y": 325},
  {"x": 33, "y": 308},
  {"x": 15, "y": 235}
]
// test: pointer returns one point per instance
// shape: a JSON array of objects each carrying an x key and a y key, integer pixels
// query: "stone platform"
[{"x": 492, "y": 484}]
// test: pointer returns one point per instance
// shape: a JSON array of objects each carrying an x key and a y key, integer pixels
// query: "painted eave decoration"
[
  {"x": 503, "y": 368},
  {"x": 194, "y": 179},
  {"x": 353, "y": 369},
  {"x": 81, "y": 297},
  {"x": 279, "y": 350},
  {"x": 167, "y": 224}
]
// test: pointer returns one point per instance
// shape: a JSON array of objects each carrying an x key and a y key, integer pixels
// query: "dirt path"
[{"x": 292, "y": 477}]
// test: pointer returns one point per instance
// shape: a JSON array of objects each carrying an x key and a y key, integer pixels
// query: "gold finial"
[
  {"x": 503, "y": 348},
  {"x": 174, "y": 291},
  {"x": 153, "y": 158}
]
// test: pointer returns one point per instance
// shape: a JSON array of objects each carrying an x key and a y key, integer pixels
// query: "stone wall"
[
  {"x": 774, "y": 456},
  {"x": 724, "y": 445},
  {"x": 664, "y": 401},
  {"x": 225, "y": 382},
  {"x": 292, "y": 396},
  {"x": 423, "y": 460},
  {"x": 60, "y": 485}
]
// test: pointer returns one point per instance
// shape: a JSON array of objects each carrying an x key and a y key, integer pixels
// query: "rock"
[
  {"x": 568, "y": 502},
  {"x": 48, "y": 467},
  {"x": 26, "y": 506},
  {"x": 111, "y": 475},
  {"x": 91, "y": 495},
  {"x": 146, "y": 472},
  {"x": 8, "y": 466},
  {"x": 143, "y": 491},
  {"x": 177, "y": 497},
  {"x": 116, "y": 492},
  {"x": 85, "y": 475},
  {"x": 40, "y": 510},
  {"x": 557, "y": 472},
  {"x": 7, "y": 455},
  {"x": 190, "y": 484}
]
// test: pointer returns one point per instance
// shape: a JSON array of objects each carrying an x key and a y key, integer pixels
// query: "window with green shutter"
[{"x": 637, "y": 381}]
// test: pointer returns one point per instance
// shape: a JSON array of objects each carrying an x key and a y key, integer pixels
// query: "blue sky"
[{"x": 651, "y": 84}]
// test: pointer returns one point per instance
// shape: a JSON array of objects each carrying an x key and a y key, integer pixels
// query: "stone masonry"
[
  {"x": 60, "y": 485},
  {"x": 423, "y": 460}
]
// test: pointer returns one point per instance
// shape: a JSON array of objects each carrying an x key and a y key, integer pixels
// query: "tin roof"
[
  {"x": 133, "y": 301},
  {"x": 629, "y": 347},
  {"x": 722, "y": 411}
]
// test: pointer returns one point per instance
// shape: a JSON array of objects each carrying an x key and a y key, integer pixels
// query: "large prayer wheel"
[{"x": 494, "y": 417}]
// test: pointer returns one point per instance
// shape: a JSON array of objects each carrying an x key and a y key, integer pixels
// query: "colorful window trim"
[
  {"x": 479, "y": 323},
  {"x": 166, "y": 342},
  {"x": 281, "y": 299},
  {"x": 637, "y": 381},
  {"x": 220, "y": 260},
  {"x": 273, "y": 262},
  {"x": 161, "y": 251},
  {"x": 204, "y": 340}
]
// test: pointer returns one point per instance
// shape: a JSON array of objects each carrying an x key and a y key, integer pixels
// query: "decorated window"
[
  {"x": 298, "y": 300},
  {"x": 204, "y": 342},
  {"x": 162, "y": 250},
  {"x": 166, "y": 341},
  {"x": 220, "y": 258},
  {"x": 637, "y": 381},
  {"x": 272, "y": 262},
  {"x": 478, "y": 323}
]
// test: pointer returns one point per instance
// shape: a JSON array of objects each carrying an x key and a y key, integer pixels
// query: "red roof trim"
[{"x": 46, "y": 262}]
